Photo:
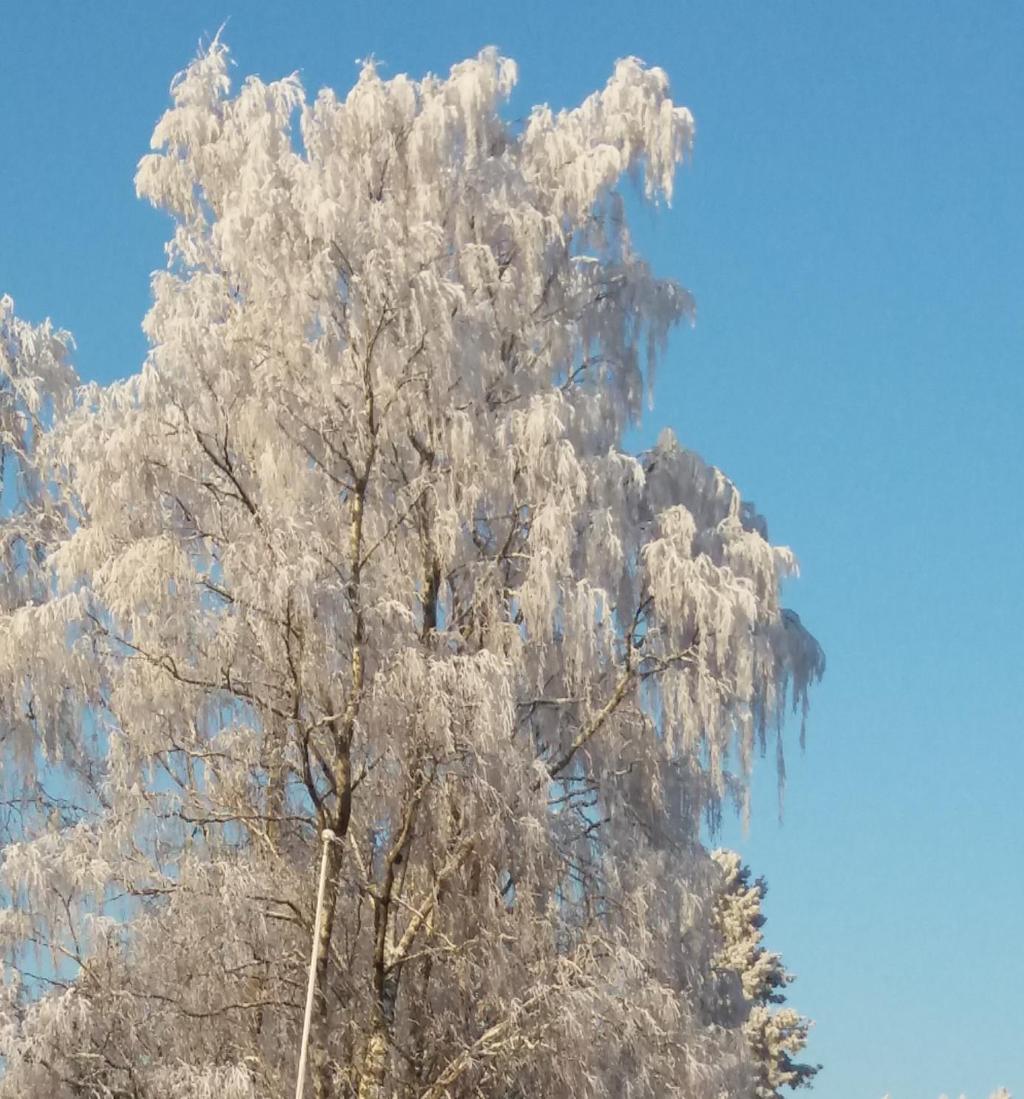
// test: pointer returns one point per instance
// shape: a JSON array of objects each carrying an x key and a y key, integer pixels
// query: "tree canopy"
[{"x": 361, "y": 548}]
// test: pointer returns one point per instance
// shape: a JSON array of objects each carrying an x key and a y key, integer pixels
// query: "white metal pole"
[{"x": 327, "y": 836}]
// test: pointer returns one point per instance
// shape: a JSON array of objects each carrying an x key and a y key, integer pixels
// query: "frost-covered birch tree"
[{"x": 360, "y": 548}]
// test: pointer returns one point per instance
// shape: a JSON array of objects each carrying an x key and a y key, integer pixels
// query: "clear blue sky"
[{"x": 851, "y": 226}]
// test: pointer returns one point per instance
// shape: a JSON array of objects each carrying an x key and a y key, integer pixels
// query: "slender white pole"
[{"x": 327, "y": 836}]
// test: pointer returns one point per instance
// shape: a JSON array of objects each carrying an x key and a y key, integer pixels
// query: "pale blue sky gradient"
[{"x": 851, "y": 227}]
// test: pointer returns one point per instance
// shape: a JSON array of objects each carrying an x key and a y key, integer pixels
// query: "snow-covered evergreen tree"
[
  {"x": 775, "y": 1034},
  {"x": 359, "y": 548}
]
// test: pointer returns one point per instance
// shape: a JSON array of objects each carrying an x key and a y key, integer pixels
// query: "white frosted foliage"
[
  {"x": 359, "y": 548},
  {"x": 776, "y": 1034}
]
